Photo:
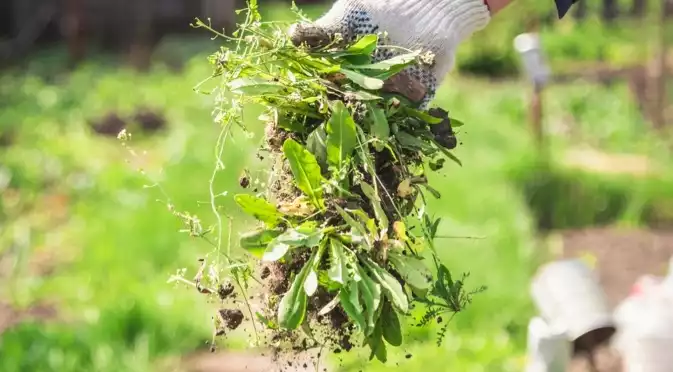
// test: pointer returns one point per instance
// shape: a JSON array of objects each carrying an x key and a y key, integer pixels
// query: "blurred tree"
[
  {"x": 610, "y": 10},
  {"x": 639, "y": 8}
]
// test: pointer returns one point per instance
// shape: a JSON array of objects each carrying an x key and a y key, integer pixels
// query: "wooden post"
[
  {"x": 529, "y": 48},
  {"x": 536, "y": 114},
  {"x": 73, "y": 27}
]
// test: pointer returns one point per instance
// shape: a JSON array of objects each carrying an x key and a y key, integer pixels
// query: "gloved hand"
[{"x": 438, "y": 26}]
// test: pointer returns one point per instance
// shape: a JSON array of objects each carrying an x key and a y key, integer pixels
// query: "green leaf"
[
  {"x": 365, "y": 45},
  {"x": 421, "y": 115},
  {"x": 349, "y": 297},
  {"x": 291, "y": 124},
  {"x": 292, "y": 238},
  {"x": 338, "y": 269},
  {"x": 363, "y": 95},
  {"x": 364, "y": 81},
  {"x": 397, "y": 63},
  {"x": 311, "y": 283},
  {"x": 380, "y": 129},
  {"x": 254, "y": 86},
  {"x": 392, "y": 331},
  {"x": 292, "y": 307},
  {"x": 257, "y": 240},
  {"x": 306, "y": 171},
  {"x": 357, "y": 226},
  {"x": 275, "y": 251},
  {"x": 376, "y": 344},
  {"x": 414, "y": 272},
  {"x": 455, "y": 123},
  {"x": 317, "y": 144},
  {"x": 371, "y": 295},
  {"x": 374, "y": 198},
  {"x": 412, "y": 142},
  {"x": 391, "y": 287},
  {"x": 259, "y": 208},
  {"x": 341, "y": 135}
]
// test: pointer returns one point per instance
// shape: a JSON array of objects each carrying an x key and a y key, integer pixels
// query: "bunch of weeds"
[{"x": 344, "y": 244}]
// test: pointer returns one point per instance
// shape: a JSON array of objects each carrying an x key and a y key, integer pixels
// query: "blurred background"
[{"x": 580, "y": 168}]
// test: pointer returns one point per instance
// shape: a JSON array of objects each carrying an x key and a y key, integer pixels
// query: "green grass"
[{"x": 117, "y": 311}]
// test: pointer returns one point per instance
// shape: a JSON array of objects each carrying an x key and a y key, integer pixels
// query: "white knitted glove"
[{"x": 431, "y": 25}]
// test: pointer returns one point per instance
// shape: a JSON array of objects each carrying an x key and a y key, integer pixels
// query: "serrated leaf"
[
  {"x": 254, "y": 86},
  {"x": 367, "y": 82},
  {"x": 392, "y": 331},
  {"x": 259, "y": 208},
  {"x": 341, "y": 135},
  {"x": 391, "y": 287},
  {"x": 365, "y": 45},
  {"x": 311, "y": 283},
  {"x": 317, "y": 144},
  {"x": 306, "y": 171},
  {"x": 338, "y": 270},
  {"x": 413, "y": 271},
  {"x": 350, "y": 301},
  {"x": 374, "y": 198}
]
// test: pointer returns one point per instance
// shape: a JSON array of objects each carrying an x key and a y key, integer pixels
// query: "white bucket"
[
  {"x": 548, "y": 350},
  {"x": 569, "y": 298}
]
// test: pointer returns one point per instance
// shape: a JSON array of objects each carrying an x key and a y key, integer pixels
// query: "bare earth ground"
[{"x": 621, "y": 256}]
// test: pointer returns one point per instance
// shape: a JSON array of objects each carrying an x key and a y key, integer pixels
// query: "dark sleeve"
[{"x": 563, "y": 6}]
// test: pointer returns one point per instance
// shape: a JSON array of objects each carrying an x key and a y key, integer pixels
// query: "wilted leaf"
[
  {"x": 306, "y": 171},
  {"x": 391, "y": 287},
  {"x": 365, "y": 96},
  {"x": 341, "y": 134},
  {"x": 362, "y": 80},
  {"x": 392, "y": 331},
  {"x": 400, "y": 230},
  {"x": 338, "y": 269},
  {"x": 404, "y": 188},
  {"x": 414, "y": 272},
  {"x": 259, "y": 208}
]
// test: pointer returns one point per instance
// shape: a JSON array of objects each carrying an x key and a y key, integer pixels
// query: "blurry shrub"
[
  {"x": 489, "y": 63},
  {"x": 567, "y": 199}
]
